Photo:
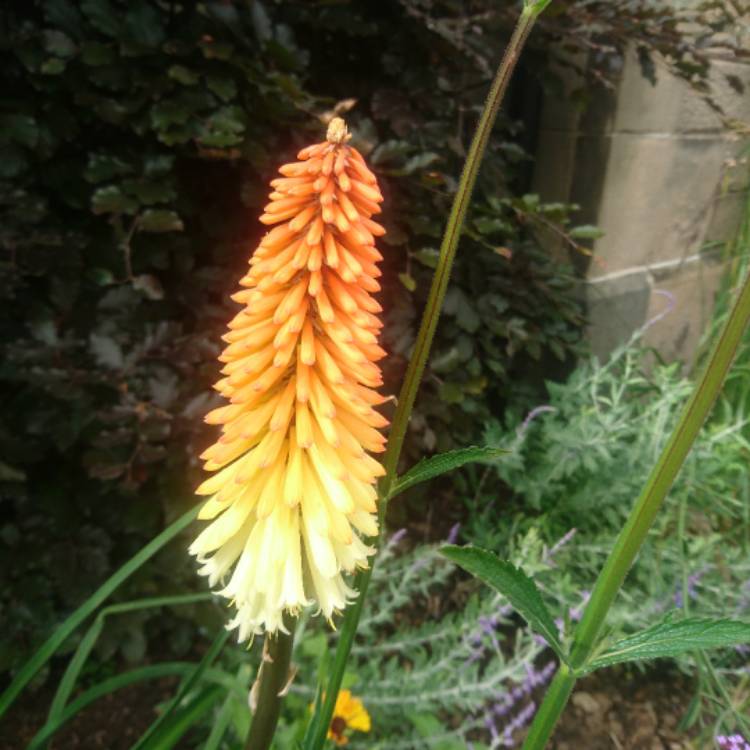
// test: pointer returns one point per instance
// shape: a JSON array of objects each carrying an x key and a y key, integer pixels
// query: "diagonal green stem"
[
  {"x": 318, "y": 727},
  {"x": 448, "y": 247},
  {"x": 639, "y": 522}
]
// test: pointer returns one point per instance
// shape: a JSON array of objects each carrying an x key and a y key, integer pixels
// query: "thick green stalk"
[
  {"x": 318, "y": 728},
  {"x": 272, "y": 679},
  {"x": 639, "y": 522}
]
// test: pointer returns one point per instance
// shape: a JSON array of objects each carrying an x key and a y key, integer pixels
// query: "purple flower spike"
[
  {"x": 453, "y": 533},
  {"x": 397, "y": 536},
  {"x": 732, "y": 742},
  {"x": 490, "y": 724}
]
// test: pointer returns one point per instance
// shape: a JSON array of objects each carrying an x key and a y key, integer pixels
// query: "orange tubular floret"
[{"x": 294, "y": 483}]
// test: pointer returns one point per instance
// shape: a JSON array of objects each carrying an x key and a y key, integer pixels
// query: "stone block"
[
  {"x": 723, "y": 80},
  {"x": 657, "y": 198},
  {"x": 668, "y": 106},
  {"x": 617, "y": 306}
]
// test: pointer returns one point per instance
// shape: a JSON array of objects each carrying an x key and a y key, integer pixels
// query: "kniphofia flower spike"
[{"x": 294, "y": 483}]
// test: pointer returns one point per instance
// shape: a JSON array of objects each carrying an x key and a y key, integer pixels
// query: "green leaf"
[
  {"x": 107, "y": 352},
  {"x": 111, "y": 200},
  {"x": 105, "y": 167},
  {"x": 58, "y": 44},
  {"x": 671, "y": 638},
  {"x": 221, "y": 723},
  {"x": 141, "y": 674},
  {"x": 160, "y": 220},
  {"x": 434, "y": 466},
  {"x": 513, "y": 583},
  {"x": 97, "y": 54},
  {"x": 183, "y": 75},
  {"x": 408, "y": 281},
  {"x": 156, "y": 735},
  {"x": 186, "y": 718},
  {"x": 103, "y": 16},
  {"x": 53, "y": 67},
  {"x": 149, "y": 286},
  {"x": 143, "y": 24},
  {"x": 586, "y": 232},
  {"x": 223, "y": 86},
  {"x": 61, "y": 633},
  {"x": 428, "y": 256},
  {"x": 67, "y": 683}
]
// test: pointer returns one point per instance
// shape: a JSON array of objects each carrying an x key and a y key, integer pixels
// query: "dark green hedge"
[{"x": 136, "y": 140}]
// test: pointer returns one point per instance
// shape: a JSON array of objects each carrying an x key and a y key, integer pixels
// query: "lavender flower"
[
  {"x": 671, "y": 304},
  {"x": 732, "y": 742},
  {"x": 576, "y": 613},
  {"x": 531, "y": 416},
  {"x": 453, "y": 533},
  {"x": 692, "y": 590},
  {"x": 517, "y": 722},
  {"x": 397, "y": 536},
  {"x": 559, "y": 544}
]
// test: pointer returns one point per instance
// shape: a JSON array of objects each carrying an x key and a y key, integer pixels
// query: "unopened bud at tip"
[{"x": 337, "y": 131}]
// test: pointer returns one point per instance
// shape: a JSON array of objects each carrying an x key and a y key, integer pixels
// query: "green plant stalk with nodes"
[
  {"x": 633, "y": 534},
  {"x": 318, "y": 727}
]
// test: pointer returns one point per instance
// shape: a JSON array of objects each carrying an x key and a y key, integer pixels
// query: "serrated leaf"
[
  {"x": 436, "y": 465},
  {"x": 511, "y": 582},
  {"x": 671, "y": 638}
]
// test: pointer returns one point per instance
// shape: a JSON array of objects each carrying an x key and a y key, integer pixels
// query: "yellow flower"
[
  {"x": 294, "y": 484},
  {"x": 349, "y": 714}
]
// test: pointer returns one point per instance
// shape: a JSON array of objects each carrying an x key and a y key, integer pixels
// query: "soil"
[
  {"x": 620, "y": 710},
  {"x": 616, "y": 710},
  {"x": 112, "y": 723}
]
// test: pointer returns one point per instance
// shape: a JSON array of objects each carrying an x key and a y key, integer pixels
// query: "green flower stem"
[
  {"x": 448, "y": 247},
  {"x": 318, "y": 728},
  {"x": 272, "y": 679},
  {"x": 639, "y": 522}
]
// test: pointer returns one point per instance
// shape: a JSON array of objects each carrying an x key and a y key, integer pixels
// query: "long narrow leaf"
[
  {"x": 77, "y": 662},
  {"x": 224, "y": 718},
  {"x": 45, "y": 653},
  {"x": 151, "y": 738},
  {"x": 173, "y": 730},
  {"x": 514, "y": 584},
  {"x": 142, "y": 674},
  {"x": 672, "y": 638},
  {"x": 434, "y": 466}
]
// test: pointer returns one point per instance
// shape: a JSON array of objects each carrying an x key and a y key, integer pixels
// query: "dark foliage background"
[{"x": 136, "y": 141}]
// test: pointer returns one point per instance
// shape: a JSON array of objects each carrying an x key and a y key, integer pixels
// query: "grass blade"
[
  {"x": 225, "y": 681},
  {"x": 77, "y": 662},
  {"x": 171, "y": 732},
  {"x": 43, "y": 655},
  {"x": 151, "y": 738}
]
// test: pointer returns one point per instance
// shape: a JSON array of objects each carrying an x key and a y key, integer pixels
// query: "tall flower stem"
[
  {"x": 634, "y": 533},
  {"x": 318, "y": 727},
  {"x": 272, "y": 679}
]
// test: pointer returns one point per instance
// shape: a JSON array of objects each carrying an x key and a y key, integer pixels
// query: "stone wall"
[{"x": 656, "y": 168}]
